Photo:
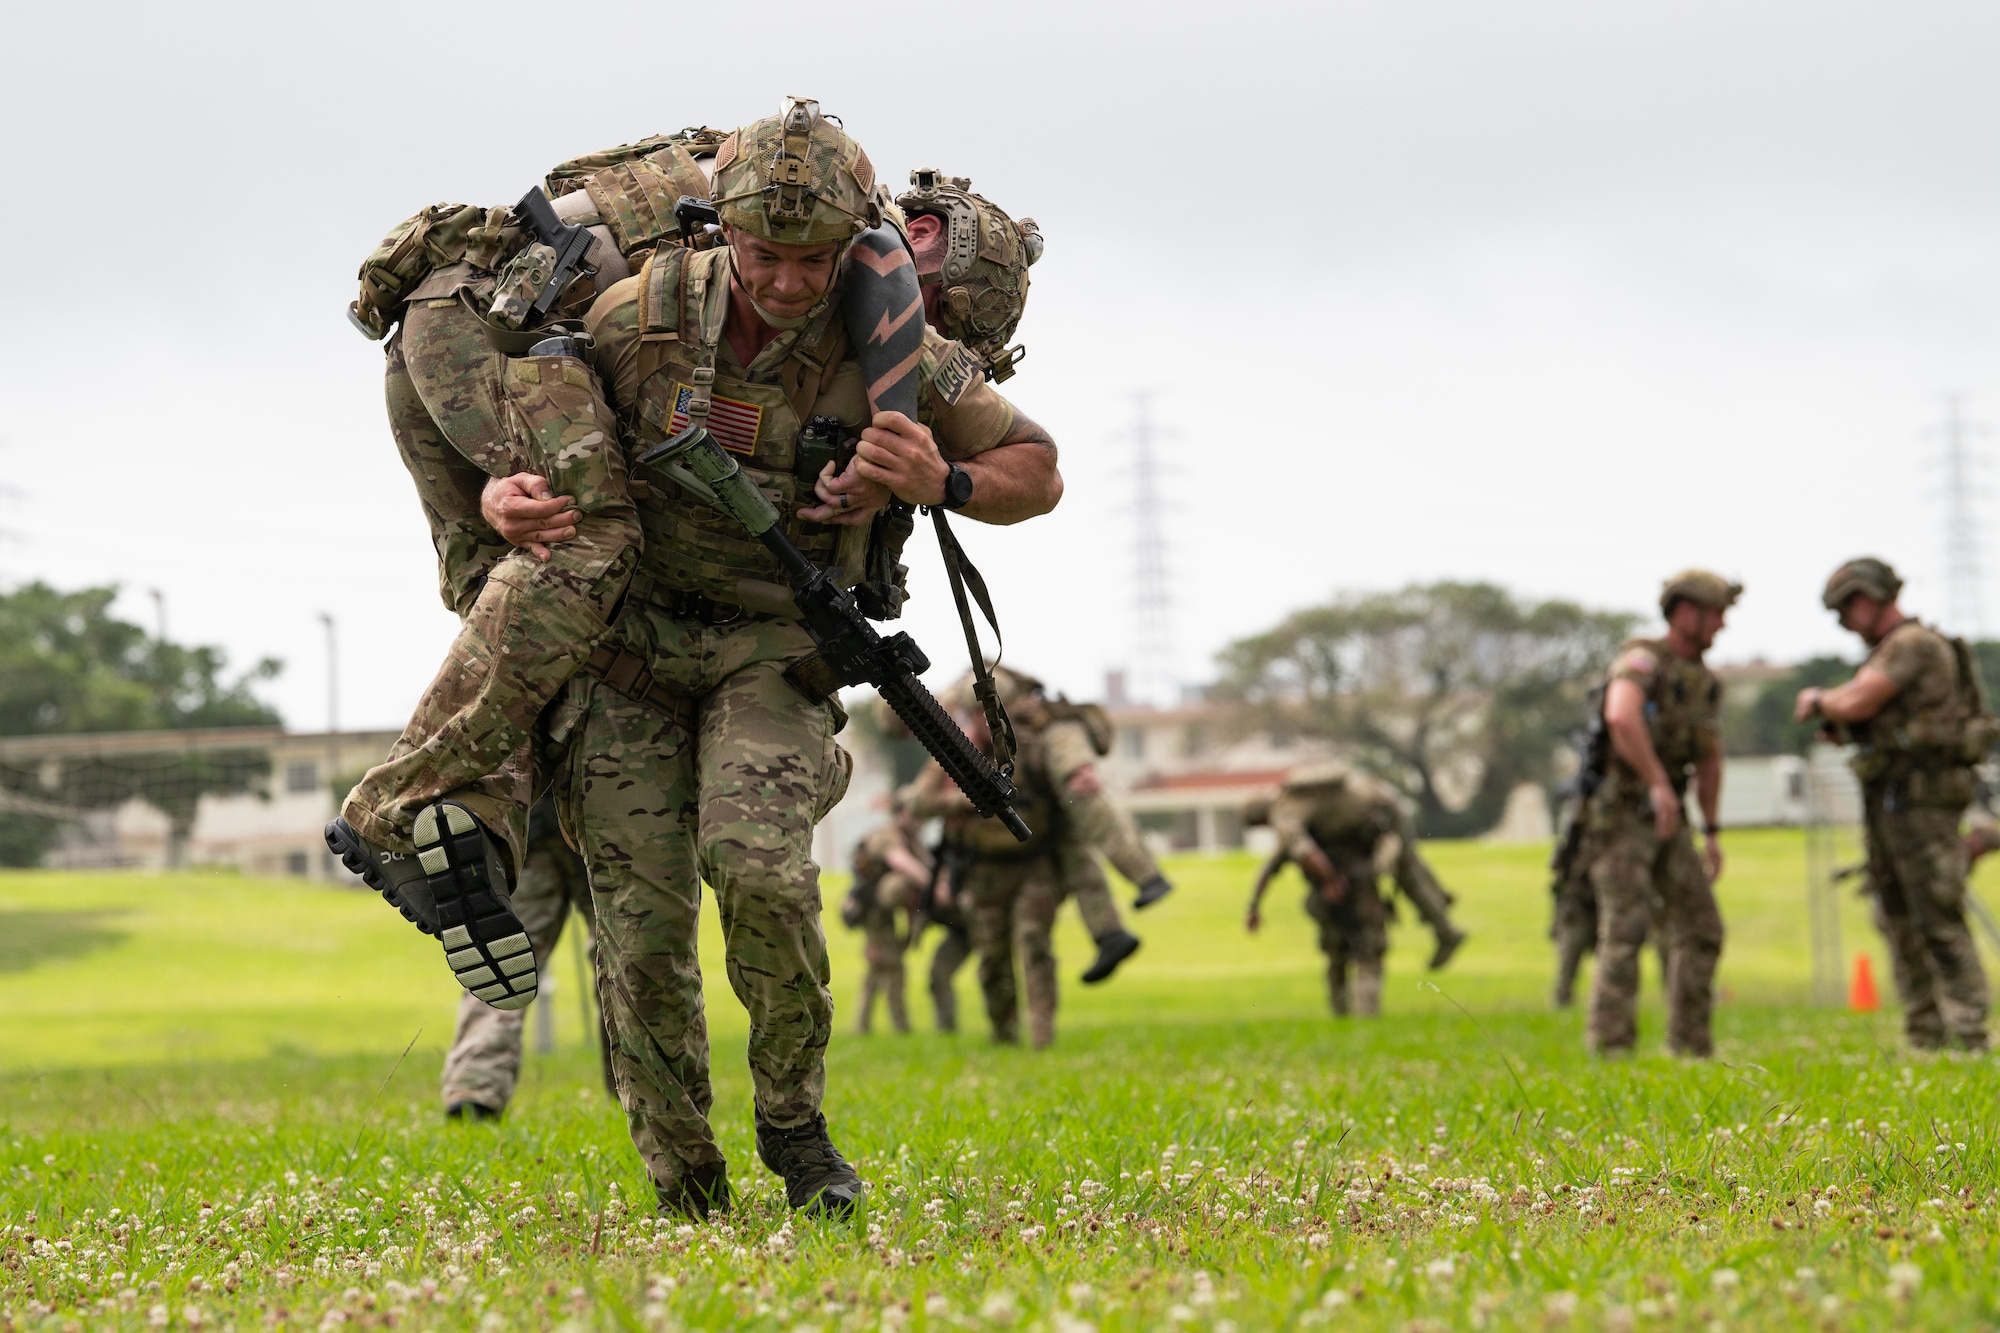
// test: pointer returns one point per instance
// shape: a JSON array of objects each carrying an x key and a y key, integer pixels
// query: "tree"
[
  {"x": 1454, "y": 692},
  {"x": 67, "y": 665}
]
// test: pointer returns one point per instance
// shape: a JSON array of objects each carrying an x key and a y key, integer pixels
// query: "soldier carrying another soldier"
[
  {"x": 1918, "y": 715},
  {"x": 1345, "y": 830}
]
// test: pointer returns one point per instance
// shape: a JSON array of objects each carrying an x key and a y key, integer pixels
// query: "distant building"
[{"x": 272, "y": 830}]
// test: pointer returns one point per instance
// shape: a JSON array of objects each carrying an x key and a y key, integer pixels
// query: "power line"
[
  {"x": 1155, "y": 678},
  {"x": 1964, "y": 584}
]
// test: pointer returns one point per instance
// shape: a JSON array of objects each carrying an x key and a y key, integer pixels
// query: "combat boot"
[
  {"x": 1449, "y": 939},
  {"x": 697, "y": 1192},
  {"x": 1154, "y": 889},
  {"x": 453, "y": 888},
  {"x": 470, "y": 1110},
  {"x": 817, "y": 1178},
  {"x": 1112, "y": 950}
]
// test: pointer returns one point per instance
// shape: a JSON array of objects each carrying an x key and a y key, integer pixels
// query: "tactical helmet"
[
  {"x": 795, "y": 178},
  {"x": 1866, "y": 575},
  {"x": 985, "y": 274},
  {"x": 1700, "y": 587},
  {"x": 1015, "y": 687},
  {"x": 1322, "y": 773}
]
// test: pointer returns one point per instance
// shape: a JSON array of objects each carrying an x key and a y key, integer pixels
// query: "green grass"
[{"x": 207, "y": 1118}]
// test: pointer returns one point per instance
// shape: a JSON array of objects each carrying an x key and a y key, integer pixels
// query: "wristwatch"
[{"x": 957, "y": 487}]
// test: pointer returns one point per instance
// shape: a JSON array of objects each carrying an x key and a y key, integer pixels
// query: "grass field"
[{"x": 208, "y": 1119}]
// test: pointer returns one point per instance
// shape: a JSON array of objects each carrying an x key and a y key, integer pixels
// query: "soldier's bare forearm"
[{"x": 1016, "y": 479}]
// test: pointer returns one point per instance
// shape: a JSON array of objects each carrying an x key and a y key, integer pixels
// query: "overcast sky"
[{"x": 1561, "y": 295}]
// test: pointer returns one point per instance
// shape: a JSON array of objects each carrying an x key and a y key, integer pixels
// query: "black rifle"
[
  {"x": 852, "y": 649},
  {"x": 570, "y": 243},
  {"x": 1593, "y": 753}
]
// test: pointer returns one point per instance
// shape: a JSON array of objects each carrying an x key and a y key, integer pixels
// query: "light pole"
[
  {"x": 332, "y": 701},
  {"x": 159, "y": 612}
]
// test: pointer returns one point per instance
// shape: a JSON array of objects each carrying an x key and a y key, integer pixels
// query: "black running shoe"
[
  {"x": 470, "y": 1110},
  {"x": 817, "y": 1178},
  {"x": 454, "y": 888},
  {"x": 1154, "y": 889},
  {"x": 1112, "y": 950}
]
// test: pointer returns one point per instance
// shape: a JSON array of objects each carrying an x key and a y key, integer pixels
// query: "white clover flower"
[
  {"x": 1560, "y": 1305},
  {"x": 1904, "y": 1279},
  {"x": 1725, "y": 1279},
  {"x": 1000, "y": 1307},
  {"x": 1439, "y": 1270}
]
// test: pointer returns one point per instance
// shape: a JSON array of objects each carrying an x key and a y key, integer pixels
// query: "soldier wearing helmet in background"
[
  {"x": 1661, "y": 709},
  {"x": 1917, "y": 714},
  {"x": 887, "y": 904},
  {"x": 1345, "y": 831},
  {"x": 714, "y": 756}
]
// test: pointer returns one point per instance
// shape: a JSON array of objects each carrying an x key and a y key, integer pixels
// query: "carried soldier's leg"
[
  {"x": 1034, "y": 926},
  {"x": 1413, "y": 876},
  {"x": 533, "y": 624},
  {"x": 1694, "y": 937},
  {"x": 1099, "y": 823},
  {"x": 484, "y": 1062},
  {"x": 990, "y": 893},
  {"x": 1084, "y": 883},
  {"x": 448, "y": 487},
  {"x": 883, "y": 956},
  {"x": 1621, "y": 875},
  {"x": 1368, "y": 943},
  {"x": 1926, "y": 859},
  {"x": 949, "y": 956}
]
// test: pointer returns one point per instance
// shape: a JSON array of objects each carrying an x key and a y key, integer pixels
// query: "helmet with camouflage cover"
[
  {"x": 985, "y": 273},
  {"x": 1016, "y": 687},
  {"x": 1876, "y": 578},
  {"x": 795, "y": 178},
  {"x": 1700, "y": 586},
  {"x": 1319, "y": 773}
]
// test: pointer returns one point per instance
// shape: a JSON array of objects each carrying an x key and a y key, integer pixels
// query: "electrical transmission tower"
[
  {"x": 1155, "y": 679},
  {"x": 1959, "y": 461}
]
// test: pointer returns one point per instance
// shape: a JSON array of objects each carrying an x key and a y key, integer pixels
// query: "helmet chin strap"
[{"x": 783, "y": 323}]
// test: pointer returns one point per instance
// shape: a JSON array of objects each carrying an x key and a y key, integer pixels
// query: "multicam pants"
[
  {"x": 1640, "y": 880},
  {"x": 1093, "y": 821},
  {"x": 484, "y": 1061},
  {"x": 1574, "y": 931},
  {"x": 1083, "y": 883},
  {"x": 1916, "y": 872},
  {"x": 954, "y": 948},
  {"x": 1354, "y": 936},
  {"x": 1012, "y": 911},
  {"x": 532, "y": 623},
  {"x": 657, "y": 811}
]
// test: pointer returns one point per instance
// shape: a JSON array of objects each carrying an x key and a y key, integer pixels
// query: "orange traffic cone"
[{"x": 1861, "y": 996}]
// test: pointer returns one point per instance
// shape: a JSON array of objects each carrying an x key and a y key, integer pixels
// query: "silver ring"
[{"x": 843, "y": 501}]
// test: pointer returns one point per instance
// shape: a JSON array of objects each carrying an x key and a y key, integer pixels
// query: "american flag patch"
[{"x": 733, "y": 424}]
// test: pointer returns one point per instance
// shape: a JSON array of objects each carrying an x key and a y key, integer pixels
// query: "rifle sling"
[{"x": 962, "y": 574}]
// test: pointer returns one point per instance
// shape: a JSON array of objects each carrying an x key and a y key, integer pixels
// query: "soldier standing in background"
[
  {"x": 1917, "y": 714},
  {"x": 892, "y": 879},
  {"x": 484, "y": 1063},
  {"x": 1345, "y": 830},
  {"x": 1661, "y": 708}
]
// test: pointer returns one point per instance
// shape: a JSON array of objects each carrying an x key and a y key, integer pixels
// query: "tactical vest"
[
  {"x": 634, "y": 187},
  {"x": 1941, "y": 739},
  {"x": 807, "y": 372},
  {"x": 988, "y": 839},
  {"x": 1683, "y": 701}
]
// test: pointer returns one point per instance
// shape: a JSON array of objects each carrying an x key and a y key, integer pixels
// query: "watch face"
[{"x": 957, "y": 486}]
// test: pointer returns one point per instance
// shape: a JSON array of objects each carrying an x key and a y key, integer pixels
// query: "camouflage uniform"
[
  {"x": 881, "y": 894},
  {"x": 1642, "y": 882},
  {"x": 1915, "y": 786},
  {"x": 484, "y": 1061},
  {"x": 1091, "y": 821},
  {"x": 1363, "y": 831},
  {"x": 711, "y": 764},
  {"x": 1008, "y": 890}
]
